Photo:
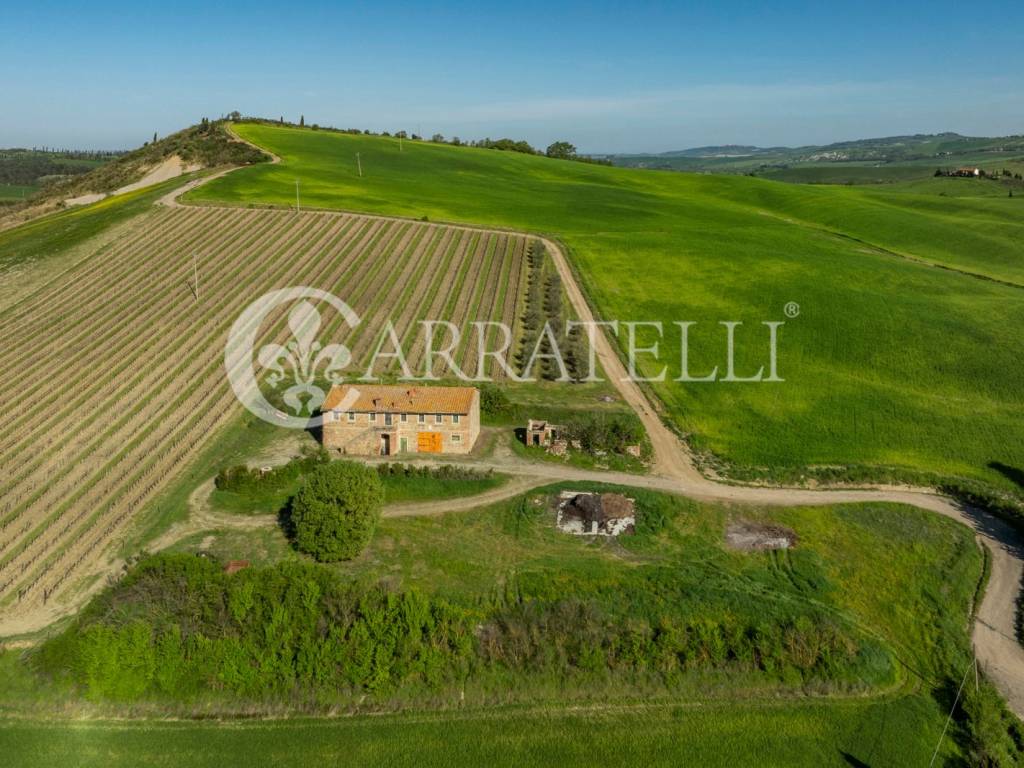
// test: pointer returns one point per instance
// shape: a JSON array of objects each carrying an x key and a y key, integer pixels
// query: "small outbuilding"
[
  {"x": 543, "y": 433},
  {"x": 596, "y": 514}
]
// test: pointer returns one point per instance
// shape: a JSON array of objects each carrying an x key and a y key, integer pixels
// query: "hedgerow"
[
  {"x": 178, "y": 626},
  {"x": 243, "y": 479}
]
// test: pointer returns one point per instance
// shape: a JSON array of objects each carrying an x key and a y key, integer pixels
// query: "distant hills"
[{"x": 939, "y": 149}]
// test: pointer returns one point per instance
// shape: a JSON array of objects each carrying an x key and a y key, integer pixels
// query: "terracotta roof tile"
[{"x": 403, "y": 399}]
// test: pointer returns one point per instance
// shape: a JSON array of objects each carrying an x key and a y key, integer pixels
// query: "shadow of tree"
[
  {"x": 851, "y": 760},
  {"x": 1013, "y": 474}
]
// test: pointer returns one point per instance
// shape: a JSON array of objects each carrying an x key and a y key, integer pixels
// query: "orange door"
[{"x": 428, "y": 442}]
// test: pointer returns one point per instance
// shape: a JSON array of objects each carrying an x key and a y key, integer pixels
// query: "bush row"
[
  {"x": 177, "y": 626},
  {"x": 573, "y": 634},
  {"x": 444, "y": 472},
  {"x": 242, "y": 479}
]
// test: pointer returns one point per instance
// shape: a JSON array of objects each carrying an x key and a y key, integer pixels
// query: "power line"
[{"x": 974, "y": 665}]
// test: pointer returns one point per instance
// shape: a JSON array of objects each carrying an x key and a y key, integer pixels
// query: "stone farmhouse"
[{"x": 385, "y": 420}]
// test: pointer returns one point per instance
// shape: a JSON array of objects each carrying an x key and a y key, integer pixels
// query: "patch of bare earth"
[
  {"x": 171, "y": 168},
  {"x": 748, "y": 536}
]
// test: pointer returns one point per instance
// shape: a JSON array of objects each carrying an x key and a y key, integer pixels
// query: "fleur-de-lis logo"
[
  {"x": 299, "y": 362},
  {"x": 304, "y": 355}
]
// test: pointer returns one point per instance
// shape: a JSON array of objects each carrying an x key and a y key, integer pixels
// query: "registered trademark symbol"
[{"x": 792, "y": 309}]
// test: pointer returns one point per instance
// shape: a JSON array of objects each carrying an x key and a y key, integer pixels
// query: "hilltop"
[{"x": 207, "y": 144}]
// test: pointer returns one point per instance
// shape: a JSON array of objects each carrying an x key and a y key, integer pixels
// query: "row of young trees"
[{"x": 544, "y": 318}]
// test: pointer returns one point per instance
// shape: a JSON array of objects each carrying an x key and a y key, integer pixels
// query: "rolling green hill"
[
  {"x": 892, "y": 155},
  {"x": 891, "y": 362}
]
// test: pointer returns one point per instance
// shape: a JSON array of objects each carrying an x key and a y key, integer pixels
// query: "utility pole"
[
  {"x": 399, "y": 143},
  {"x": 297, "y": 209},
  {"x": 359, "y": 163}
]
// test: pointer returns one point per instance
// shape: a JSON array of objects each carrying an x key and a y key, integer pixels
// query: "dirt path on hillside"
[
  {"x": 170, "y": 200},
  {"x": 170, "y": 168},
  {"x": 994, "y": 633}
]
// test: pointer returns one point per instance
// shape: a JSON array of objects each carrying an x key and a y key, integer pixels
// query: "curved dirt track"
[{"x": 994, "y": 633}]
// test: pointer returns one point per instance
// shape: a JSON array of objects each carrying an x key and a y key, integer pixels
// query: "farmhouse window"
[
  {"x": 438, "y": 418},
  {"x": 422, "y": 418},
  {"x": 404, "y": 418},
  {"x": 335, "y": 416},
  {"x": 455, "y": 418},
  {"x": 456, "y": 438},
  {"x": 387, "y": 419},
  {"x": 351, "y": 417},
  {"x": 373, "y": 417}
]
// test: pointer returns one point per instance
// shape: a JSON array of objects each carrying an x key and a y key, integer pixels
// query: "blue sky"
[{"x": 607, "y": 76}]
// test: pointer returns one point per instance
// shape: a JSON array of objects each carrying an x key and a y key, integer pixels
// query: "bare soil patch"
[{"x": 748, "y": 536}]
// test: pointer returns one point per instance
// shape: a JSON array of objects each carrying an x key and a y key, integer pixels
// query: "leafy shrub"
[
  {"x": 336, "y": 510},
  {"x": 444, "y": 472},
  {"x": 242, "y": 479},
  {"x": 603, "y": 432},
  {"x": 494, "y": 403}
]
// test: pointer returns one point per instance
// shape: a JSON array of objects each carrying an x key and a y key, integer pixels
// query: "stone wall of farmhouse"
[{"x": 360, "y": 433}]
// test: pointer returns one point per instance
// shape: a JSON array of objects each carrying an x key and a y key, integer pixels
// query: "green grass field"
[
  {"x": 896, "y": 732},
  {"x": 891, "y": 362},
  {"x": 16, "y": 192}
]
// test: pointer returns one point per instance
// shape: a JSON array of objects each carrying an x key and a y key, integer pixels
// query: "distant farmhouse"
[
  {"x": 387, "y": 420},
  {"x": 966, "y": 172}
]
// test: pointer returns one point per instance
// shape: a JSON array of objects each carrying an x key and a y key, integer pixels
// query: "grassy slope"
[
  {"x": 890, "y": 362},
  {"x": 59, "y": 232}
]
